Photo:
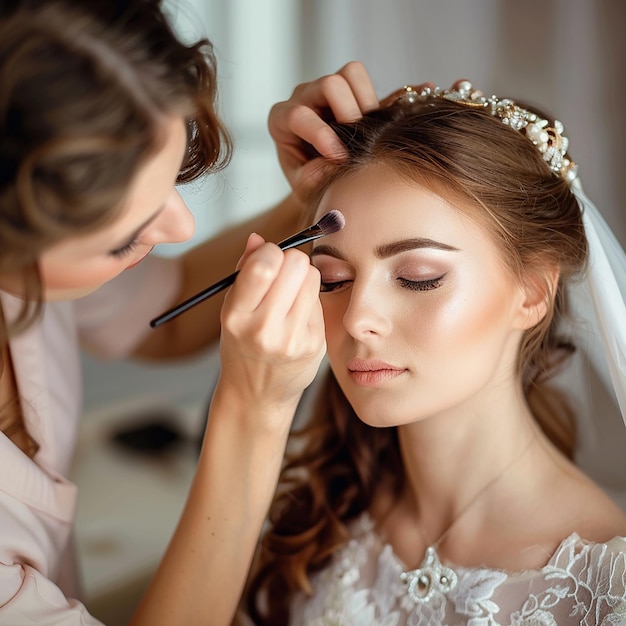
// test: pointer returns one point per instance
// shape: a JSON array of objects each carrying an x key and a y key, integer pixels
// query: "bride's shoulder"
[{"x": 600, "y": 519}]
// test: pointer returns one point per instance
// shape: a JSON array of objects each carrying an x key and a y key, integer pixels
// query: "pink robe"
[{"x": 38, "y": 580}]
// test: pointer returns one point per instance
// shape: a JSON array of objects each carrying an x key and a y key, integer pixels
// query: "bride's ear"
[{"x": 538, "y": 293}]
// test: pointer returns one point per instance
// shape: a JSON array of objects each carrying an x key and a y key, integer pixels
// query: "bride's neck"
[{"x": 450, "y": 461}]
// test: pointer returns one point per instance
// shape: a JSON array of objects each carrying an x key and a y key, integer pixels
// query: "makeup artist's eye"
[
  {"x": 421, "y": 285},
  {"x": 120, "y": 253},
  {"x": 326, "y": 287}
]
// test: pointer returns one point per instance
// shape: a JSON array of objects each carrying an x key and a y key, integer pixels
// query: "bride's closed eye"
[
  {"x": 334, "y": 277},
  {"x": 120, "y": 253},
  {"x": 327, "y": 286},
  {"x": 421, "y": 285}
]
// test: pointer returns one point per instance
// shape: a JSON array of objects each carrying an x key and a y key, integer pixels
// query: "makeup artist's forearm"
[
  {"x": 202, "y": 266},
  {"x": 203, "y": 573}
]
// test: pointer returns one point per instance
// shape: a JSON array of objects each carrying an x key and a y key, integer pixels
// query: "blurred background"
[{"x": 567, "y": 56}]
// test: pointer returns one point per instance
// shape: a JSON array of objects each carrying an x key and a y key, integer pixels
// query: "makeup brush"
[{"x": 330, "y": 223}]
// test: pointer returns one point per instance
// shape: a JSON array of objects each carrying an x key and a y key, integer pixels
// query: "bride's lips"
[{"x": 370, "y": 373}]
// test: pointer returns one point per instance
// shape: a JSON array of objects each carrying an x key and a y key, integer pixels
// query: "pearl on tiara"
[{"x": 549, "y": 140}]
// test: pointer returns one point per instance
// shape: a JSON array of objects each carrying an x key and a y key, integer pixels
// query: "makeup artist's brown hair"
[
  {"x": 533, "y": 217},
  {"x": 84, "y": 90}
]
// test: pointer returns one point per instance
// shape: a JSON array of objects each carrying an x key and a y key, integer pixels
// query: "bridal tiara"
[{"x": 548, "y": 139}]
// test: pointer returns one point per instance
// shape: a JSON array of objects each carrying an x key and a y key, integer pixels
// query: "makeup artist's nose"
[
  {"x": 174, "y": 224},
  {"x": 366, "y": 314}
]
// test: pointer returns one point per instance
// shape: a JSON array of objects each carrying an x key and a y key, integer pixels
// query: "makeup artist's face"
[
  {"x": 421, "y": 316},
  {"x": 153, "y": 213}
]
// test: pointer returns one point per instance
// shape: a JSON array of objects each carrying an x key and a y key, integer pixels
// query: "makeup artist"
[{"x": 102, "y": 111}]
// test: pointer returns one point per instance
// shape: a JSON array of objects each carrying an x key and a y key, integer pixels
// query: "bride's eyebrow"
[
  {"x": 396, "y": 247},
  {"x": 327, "y": 250},
  {"x": 389, "y": 249}
]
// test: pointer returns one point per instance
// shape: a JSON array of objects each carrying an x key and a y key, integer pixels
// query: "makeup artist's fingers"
[
  {"x": 291, "y": 316},
  {"x": 299, "y": 125},
  {"x": 307, "y": 312},
  {"x": 253, "y": 242},
  {"x": 292, "y": 313},
  {"x": 361, "y": 86},
  {"x": 258, "y": 269},
  {"x": 285, "y": 287},
  {"x": 264, "y": 294},
  {"x": 272, "y": 327}
]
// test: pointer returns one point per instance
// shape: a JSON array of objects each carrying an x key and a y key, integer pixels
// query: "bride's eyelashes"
[
  {"x": 413, "y": 285},
  {"x": 421, "y": 285},
  {"x": 120, "y": 253},
  {"x": 327, "y": 286}
]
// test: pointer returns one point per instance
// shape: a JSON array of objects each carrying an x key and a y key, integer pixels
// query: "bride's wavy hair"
[
  {"x": 532, "y": 215},
  {"x": 85, "y": 88}
]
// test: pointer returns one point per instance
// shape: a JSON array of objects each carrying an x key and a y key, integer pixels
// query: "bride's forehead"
[{"x": 388, "y": 205}]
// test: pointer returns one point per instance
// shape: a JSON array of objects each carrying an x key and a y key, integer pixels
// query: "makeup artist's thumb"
[{"x": 254, "y": 241}]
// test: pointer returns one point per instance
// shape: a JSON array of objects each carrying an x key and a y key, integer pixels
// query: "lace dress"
[{"x": 583, "y": 584}]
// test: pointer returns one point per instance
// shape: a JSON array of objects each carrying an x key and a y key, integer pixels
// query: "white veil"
[{"x": 597, "y": 377}]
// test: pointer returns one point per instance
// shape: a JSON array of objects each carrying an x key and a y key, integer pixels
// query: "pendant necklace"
[{"x": 432, "y": 578}]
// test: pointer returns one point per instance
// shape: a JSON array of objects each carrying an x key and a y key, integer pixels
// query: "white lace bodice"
[{"x": 583, "y": 584}]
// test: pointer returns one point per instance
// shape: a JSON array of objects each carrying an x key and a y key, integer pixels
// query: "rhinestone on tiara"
[{"x": 549, "y": 140}]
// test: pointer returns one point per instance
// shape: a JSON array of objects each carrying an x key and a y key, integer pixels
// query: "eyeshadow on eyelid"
[{"x": 422, "y": 266}]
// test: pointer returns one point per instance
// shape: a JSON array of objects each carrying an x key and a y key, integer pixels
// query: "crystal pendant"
[{"x": 429, "y": 578}]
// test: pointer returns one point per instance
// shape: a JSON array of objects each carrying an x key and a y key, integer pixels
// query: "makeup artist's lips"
[
  {"x": 140, "y": 259},
  {"x": 372, "y": 373}
]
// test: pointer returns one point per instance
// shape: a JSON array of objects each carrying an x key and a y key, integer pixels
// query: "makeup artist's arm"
[
  {"x": 271, "y": 346},
  {"x": 346, "y": 95}
]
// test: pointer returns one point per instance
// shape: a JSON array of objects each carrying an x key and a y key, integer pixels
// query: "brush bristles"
[{"x": 332, "y": 222}]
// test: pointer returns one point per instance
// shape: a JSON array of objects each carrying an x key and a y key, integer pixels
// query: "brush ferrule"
[{"x": 304, "y": 236}]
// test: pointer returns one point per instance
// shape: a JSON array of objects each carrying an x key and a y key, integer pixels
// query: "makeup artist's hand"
[
  {"x": 272, "y": 339},
  {"x": 344, "y": 96}
]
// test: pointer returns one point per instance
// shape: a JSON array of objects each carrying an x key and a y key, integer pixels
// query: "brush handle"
[
  {"x": 220, "y": 285},
  {"x": 305, "y": 236}
]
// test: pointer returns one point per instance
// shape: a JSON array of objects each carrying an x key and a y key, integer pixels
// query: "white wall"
[{"x": 254, "y": 44}]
